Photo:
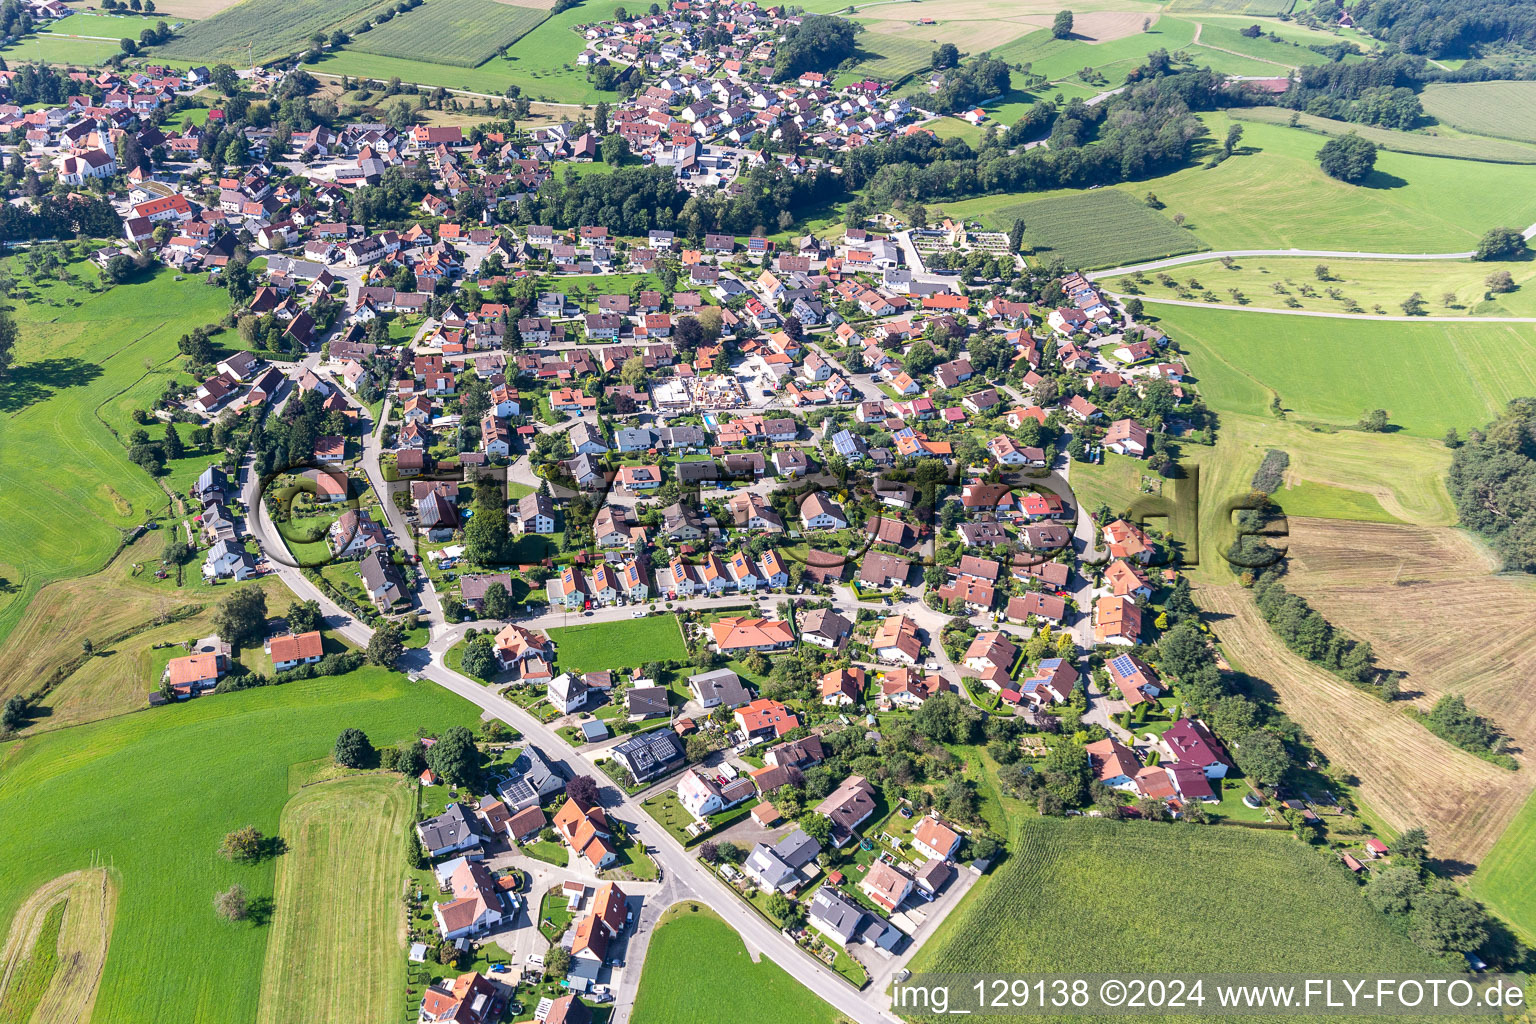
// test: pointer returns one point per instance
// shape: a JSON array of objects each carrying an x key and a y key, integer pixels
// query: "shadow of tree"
[
  {"x": 259, "y": 911},
  {"x": 31, "y": 383}
]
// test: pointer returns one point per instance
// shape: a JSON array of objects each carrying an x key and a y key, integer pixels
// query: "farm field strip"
[
  {"x": 461, "y": 33},
  {"x": 1095, "y": 229},
  {"x": 336, "y": 946},
  {"x": 273, "y": 28},
  {"x": 1505, "y": 110}
]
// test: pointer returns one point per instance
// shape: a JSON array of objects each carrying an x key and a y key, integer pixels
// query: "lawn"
[
  {"x": 463, "y": 33},
  {"x": 1429, "y": 377},
  {"x": 84, "y": 360},
  {"x": 674, "y": 991},
  {"x": 125, "y": 784},
  {"x": 335, "y": 944},
  {"x": 1503, "y": 879},
  {"x": 541, "y": 63},
  {"x": 1272, "y": 195},
  {"x": 627, "y": 643},
  {"x": 278, "y": 26},
  {"x": 1505, "y": 110},
  {"x": 1353, "y": 286},
  {"x": 1265, "y": 899},
  {"x": 1097, "y": 229}
]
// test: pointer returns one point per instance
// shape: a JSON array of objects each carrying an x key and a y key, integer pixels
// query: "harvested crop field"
[
  {"x": 1405, "y": 773},
  {"x": 1097, "y": 229},
  {"x": 55, "y": 949},
  {"x": 1102, "y": 26},
  {"x": 462, "y": 33}
]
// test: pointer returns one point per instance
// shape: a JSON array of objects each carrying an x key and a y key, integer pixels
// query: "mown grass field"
[
  {"x": 273, "y": 28},
  {"x": 1457, "y": 146},
  {"x": 887, "y": 55},
  {"x": 55, "y": 949},
  {"x": 1429, "y": 377},
  {"x": 1325, "y": 501},
  {"x": 674, "y": 991},
  {"x": 628, "y": 643},
  {"x": 117, "y": 792},
  {"x": 541, "y": 63},
  {"x": 61, "y": 49},
  {"x": 1361, "y": 285},
  {"x": 337, "y": 934},
  {"x": 67, "y": 489},
  {"x": 1503, "y": 879},
  {"x": 463, "y": 33},
  {"x": 1068, "y": 884},
  {"x": 1272, "y": 195},
  {"x": 1097, "y": 229},
  {"x": 1505, "y": 110},
  {"x": 1226, "y": 35}
]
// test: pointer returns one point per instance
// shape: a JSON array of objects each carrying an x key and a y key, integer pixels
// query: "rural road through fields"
[{"x": 668, "y": 853}]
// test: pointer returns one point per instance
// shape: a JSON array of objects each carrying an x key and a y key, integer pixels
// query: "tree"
[
  {"x": 304, "y": 617},
  {"x": 1392, "y": 889},
  {"x": 946, "y": 56},
  {"x": 1414, "y": 305},
  {"x": 455, "y": 758},
  {"x": 633, "y": 371},
  {"x": 1061, "y": 28},
  {"x": 1412, "y": 843},
  {"x": 243, "y": 845},
  {"x": 14, "y": 714},
  {"x": 1347, "y": 158},
  {"x": 1501, "y": 244},
  {"x": 614, "y": 149},
  {"x": 1234, "y": 136},
  {"x": 480, "y": 658},
  {"x": 128, "y": 46},
  {"x": 231, "y": 904},
  {"x": 1262, "y": 757},
  {"x": 386, "y": 645},
  {"x": 241, "y": 616},
  {"x": 1066, "y": 771},
  {"x": 7, "y": 343},
  {"x": 557, "y": 961},
  {"x": 1443, "y": 921},
  {"x": 583, "y": 790},
  {"x": 921, "y": 358},
  {"x": 1016, "y": 235},
  {"x": 1500, "y": 281},
  {"x": 497, "y": 603},
  {"x": 817, "y": 826},
  {"x": 226, "y": 78},
  {"x": 1374, "y": 421},
  {"x": 1134, "y": 309},
  {"x": 778, "y": 905},
  {"x": 353, "y": 749},
  {"x": 174, "y": 448}
]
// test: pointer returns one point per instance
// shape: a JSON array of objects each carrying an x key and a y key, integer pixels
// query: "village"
[{"x": 824, "y": 477}]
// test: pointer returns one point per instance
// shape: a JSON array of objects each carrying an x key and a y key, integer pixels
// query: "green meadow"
[
  {"x": 84, "y": 360},
  {"x": 1429, "y": 377},
  {"x": 151, "y": 795}
]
